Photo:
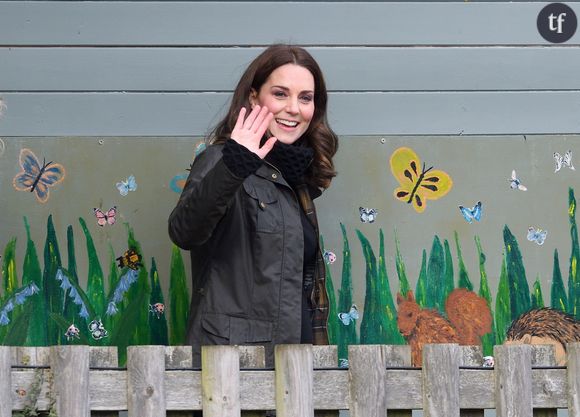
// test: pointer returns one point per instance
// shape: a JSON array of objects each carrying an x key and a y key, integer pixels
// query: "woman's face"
[{"x": 289, "y": 94}]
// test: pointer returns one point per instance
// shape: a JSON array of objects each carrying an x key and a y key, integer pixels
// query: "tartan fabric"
[{"x": 319, "y": 296}]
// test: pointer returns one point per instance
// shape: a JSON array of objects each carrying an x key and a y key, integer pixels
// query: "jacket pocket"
[
  {"x": 221, "y": 329},
  {"x": 264, "y": 206}
]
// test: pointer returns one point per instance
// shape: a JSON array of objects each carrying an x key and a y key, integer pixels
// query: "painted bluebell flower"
[{"x": 123, "y": 285}]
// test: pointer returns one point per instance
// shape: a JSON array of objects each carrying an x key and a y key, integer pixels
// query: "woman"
[{"x": 246, "y": 212}]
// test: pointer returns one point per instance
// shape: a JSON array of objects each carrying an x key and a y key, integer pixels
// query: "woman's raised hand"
[{"x": 249, "y": 132}]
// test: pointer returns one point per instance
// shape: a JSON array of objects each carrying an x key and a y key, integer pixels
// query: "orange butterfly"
[
  {"x": 417, "y": 183},
  {"x": 36, "y": 177}
]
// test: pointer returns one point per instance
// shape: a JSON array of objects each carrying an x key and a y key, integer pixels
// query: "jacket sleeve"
[{"x": 207, "y": 194}]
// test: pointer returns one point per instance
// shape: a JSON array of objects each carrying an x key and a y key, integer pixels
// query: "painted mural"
[{"x": 426, "y": 239}]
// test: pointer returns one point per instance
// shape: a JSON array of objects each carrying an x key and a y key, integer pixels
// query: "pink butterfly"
[{"x": 104, "y": 218}]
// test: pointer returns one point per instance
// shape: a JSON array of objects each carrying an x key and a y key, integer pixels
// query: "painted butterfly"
[
  {"x": 417, "y": 185},
  {"x": 128, "y": 185},
  {"x": 178, "y": 182},
  {"x": 329, "y": 257},
  {"x": 97, "y": 329},
  {"x": 131, "y": 259},
  {"x": 367, "y": 215},
  {"x": 36, "y": 177},
  {"x": 471, "y": 214},
  {"x": 105, "y": 218},
  {"x": 351, "y": 316},
  {"x": 515, "y": 183},
  {"x": 563, "y": 161},
  {"x": 537, "y": 235}
]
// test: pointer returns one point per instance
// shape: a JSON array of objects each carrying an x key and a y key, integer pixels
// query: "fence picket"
[
  {"x": 294, "y": 380},
  {"x": 573, "y": 361},
  {"x": 441, "y": 380},
  {"x": 220, "y": 381},
  {"x": 544, "y": 355},
  {"x": 513, "y": 380},
  {"x": 5, "y": 382},
  {"x": 146, "y": 381},
  {"x": 367, "y": 375},
  {"x": 70, "y": 373}
]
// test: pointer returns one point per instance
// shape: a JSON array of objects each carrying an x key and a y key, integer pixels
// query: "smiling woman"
[{"x": 246, "y": 212}]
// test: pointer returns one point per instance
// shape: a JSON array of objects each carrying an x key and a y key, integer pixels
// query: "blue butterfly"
[
  {"x": 349, "y": 317},
  {"x": 537, "y": 235},
  {"x": 36, "y": 177},
  {"x": 471, "y": 214},
  {"x": 128, "y": 185},
  {"x": 367, "y": 215}
]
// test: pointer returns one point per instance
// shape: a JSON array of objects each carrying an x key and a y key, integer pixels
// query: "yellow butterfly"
[{"x": 417, "y": 184}]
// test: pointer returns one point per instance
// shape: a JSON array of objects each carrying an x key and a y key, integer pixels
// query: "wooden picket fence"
[{"x": 78, "y": 381}]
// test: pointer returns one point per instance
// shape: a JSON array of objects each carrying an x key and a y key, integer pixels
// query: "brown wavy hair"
[{"x": 319, "y": 136}]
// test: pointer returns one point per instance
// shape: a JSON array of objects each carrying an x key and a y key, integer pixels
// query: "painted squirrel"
[{"x": 468, "y": 319}]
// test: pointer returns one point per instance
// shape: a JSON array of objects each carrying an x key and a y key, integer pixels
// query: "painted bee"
[{"x": 130, "y": 259}]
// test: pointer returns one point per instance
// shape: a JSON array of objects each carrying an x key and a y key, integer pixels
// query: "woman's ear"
[{"x": 253, "y": 97}]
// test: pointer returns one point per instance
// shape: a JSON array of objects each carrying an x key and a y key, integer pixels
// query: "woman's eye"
[
  {"x": 279, "y": 94},
  {"x": 306, "y": 99}
]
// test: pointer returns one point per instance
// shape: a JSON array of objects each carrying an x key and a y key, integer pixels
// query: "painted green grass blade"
[
  {"x": 51, "y": 290},
  {"x": 370, "y": 326},
  {"x": 488, "y": 340},
  {"x": 111, "y": 321},
  {"x": 518, "y": 283},
  {"x": 503, "y": 315},
  {"x": 464, "y": 281},
  {"x": 157, "y": 321},
  {"x": 127, "y": 327},
  {"x": 71, "y": 310},
  {"x": 18, "y": 328},
  {"x": 178, "y": 298},
  {"x": 9, "y": 274},
  {"x": 387, "y": 311},
  {"x": 401, "y": 270},
  {"x": 142, "y": 334},
  {"x": 95, "y": 284},
  {"x": 573, "y": 276},
  {"x": 31, "y": 272},
  {"x": 436, "y": 277},
  {"x": 347, "y": 334},
  {"x": 558, "y": 297},
  {"x": 421, "y": 289},
  {"x": 449, "y": 277},
  {"x": 537, "y": 299},
  {"x": 332, "y": 309}
]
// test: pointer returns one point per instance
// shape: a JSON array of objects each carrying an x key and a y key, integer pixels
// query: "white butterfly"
[
  {"x": 349, "y": 317},
  {"x": 367, "y": 215},
  {"x": 515, "y": 183},
  {"x": 563, "y": 160},
  {"x": 537, "y": 235}
]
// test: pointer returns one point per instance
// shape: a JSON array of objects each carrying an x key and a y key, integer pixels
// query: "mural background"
[{"x": 480, "y": 167}]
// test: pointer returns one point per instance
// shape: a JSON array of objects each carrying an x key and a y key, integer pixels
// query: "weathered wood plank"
[
  {"x": 367, "y": 375},
  {"x": 219, "y": 69},
  {"x": 191, "y": 114},
  {"x": 324, "y": 357},
  {"x": 193, "y": 23},
  {"x": 146, "y": 381},
  {"x": 178, "y": 357},
  {"x": 103, "y": 357},
  {"x": 544, "y": 355},
  {"x": 30, "y": 356},
  {"x": 513, "y": 380},
  {"x": 470, "y": 356},
  {"x": 573, "y": 363},
  {"x": 294, "y": 380},
  {"x": 70, "y": 368},
  {"x": 251, "y": 357},
  {"x": 220, "y": 381},
  {"x": 5, "y": 382},
  {"x": 441, "y": 380},
  {"x": 397, "y": 355}
]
